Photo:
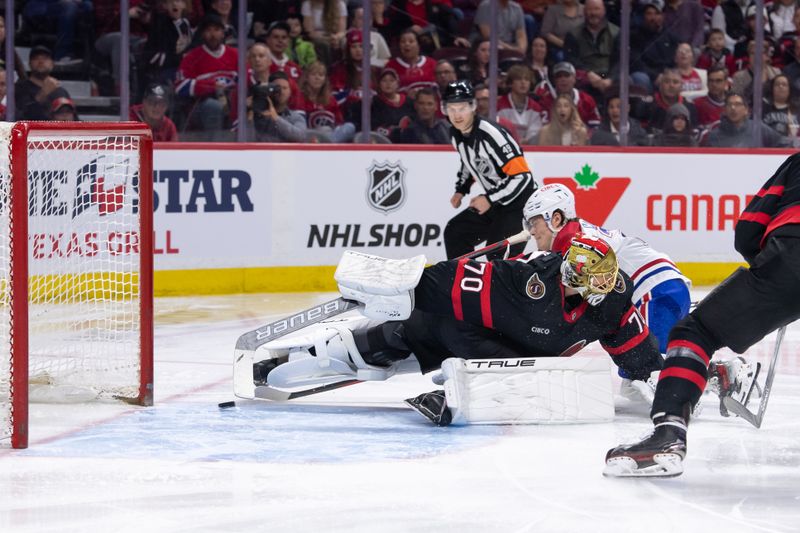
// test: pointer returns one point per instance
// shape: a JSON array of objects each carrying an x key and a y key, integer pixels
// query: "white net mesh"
[
  {"x": 83, "y": 253},
  {"x": 6, "y": 416}
]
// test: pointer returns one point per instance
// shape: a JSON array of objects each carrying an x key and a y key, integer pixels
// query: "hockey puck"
[{"x": 227, "y": 405}]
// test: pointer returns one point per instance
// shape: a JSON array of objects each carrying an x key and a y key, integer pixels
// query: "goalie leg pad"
[
  {"x": 335, "y": 358},
  {"x": 543, "y": 390}
]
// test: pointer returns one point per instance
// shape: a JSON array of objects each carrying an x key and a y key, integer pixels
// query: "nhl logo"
[{"x": 386, "y": 186}]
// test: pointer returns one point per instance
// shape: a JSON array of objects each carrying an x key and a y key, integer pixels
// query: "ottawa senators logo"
[
  {"x": 619, "y": 286},
  {"x": 535, "y": 288}
]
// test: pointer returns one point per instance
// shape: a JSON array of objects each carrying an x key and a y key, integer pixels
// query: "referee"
[{"x": 490, "y": 155}]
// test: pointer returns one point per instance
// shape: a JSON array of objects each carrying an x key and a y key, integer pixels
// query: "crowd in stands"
[{"x": 690, "y": 74}]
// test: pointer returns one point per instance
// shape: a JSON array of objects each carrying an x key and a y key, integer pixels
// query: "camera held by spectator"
[{"x": 265, "y": 96}]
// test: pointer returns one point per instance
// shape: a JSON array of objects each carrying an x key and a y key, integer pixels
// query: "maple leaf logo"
[
  {"x": 595, "y": 197},
  {"x": 587, "y": 177}
]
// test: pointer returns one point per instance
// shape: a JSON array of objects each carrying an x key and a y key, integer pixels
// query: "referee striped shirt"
[{"x": 491, "y": 155}]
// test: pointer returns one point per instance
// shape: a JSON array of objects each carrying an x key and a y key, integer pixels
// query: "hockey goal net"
[{"x": 75, "y": 266}]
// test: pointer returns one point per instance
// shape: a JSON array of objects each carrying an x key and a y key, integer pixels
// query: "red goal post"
[{"x": 76, "y": 266}]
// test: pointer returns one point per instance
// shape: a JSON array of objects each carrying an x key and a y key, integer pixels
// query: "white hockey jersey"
[{"x": 645, "y": 266}]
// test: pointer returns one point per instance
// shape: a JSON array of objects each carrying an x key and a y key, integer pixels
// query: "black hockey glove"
[{"x": 433, "y": 406}]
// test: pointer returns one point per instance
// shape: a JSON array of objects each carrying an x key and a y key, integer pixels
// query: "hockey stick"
[
  {"x": 248, "y": 343},
  {"x": 739, "y": 409}
]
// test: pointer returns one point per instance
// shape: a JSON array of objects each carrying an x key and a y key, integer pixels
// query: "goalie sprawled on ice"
[{"x": 413, "y": 318}]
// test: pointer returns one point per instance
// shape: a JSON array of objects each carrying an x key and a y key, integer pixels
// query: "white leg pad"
[
  {"x": 544, "y": 390},
  {"x": 337, "y": 359}
]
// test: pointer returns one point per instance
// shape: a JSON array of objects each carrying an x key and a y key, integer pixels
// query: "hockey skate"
[
  {"x": 735, "y": 378},
  {"x": 433, "y": 406},
  {"x": 660, "y": 454}
]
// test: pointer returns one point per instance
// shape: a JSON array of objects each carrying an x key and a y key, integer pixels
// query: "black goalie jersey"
[{"x": 522, "y": 303}]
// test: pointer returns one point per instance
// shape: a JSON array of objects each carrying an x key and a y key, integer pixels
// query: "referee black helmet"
[{"x": 458, "y": 91}]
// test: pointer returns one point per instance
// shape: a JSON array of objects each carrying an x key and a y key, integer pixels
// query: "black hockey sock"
[{"x": 382, "y": 345}]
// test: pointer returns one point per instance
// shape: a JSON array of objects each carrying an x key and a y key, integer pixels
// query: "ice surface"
[{"x": 357, "y": 460}]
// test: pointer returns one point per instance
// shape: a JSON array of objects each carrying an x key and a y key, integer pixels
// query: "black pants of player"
[
  {"x": 468, "y": 228},
  {"x": 432, "y": 339},
  {"x": 741, "y": 311}
]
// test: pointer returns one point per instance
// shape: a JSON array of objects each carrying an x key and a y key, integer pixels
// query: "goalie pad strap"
[{"x": 528, "y": 390}]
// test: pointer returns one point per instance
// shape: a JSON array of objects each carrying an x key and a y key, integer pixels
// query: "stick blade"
[{"x": 741, "y": 411}]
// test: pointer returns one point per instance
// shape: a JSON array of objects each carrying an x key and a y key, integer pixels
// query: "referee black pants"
[{"x": 468, "y": 228}]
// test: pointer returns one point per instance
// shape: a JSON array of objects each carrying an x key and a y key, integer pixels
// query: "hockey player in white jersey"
[{"x": 660, "y": 290}]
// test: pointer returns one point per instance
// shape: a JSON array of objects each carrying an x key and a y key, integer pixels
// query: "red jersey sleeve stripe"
[
  {"x": 486, "y": 293},
  {"x": 777, "y": 190},
  {"x": 455, "y": 292},
  {"x": 690, "y": 346},
  {"x": 684, "y": 373},
  {"x": 632, "y": 343},
  {"x": 650, "y": 264},
  {"x": 790, "y": 215},
  {"x": 758, "y": 218}
]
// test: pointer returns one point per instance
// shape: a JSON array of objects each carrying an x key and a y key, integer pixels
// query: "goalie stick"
[
  {"x": 248, "y": 343},
  {"x": 739, "y": 409}
]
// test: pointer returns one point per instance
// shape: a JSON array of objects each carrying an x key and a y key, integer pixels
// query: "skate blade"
[{"x": 667, "y": 465}]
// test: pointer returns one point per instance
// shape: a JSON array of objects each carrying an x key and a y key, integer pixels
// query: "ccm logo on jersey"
[{"x": 501, "y": 363}]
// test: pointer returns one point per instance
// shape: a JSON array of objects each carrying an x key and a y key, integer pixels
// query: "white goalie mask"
[{"x": 547, "y": 200}]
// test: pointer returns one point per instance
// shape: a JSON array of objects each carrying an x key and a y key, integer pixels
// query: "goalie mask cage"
[{"x": 75, "y": 266}]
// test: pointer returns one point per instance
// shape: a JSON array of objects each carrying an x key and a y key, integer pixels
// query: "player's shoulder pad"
[{"x": 623, "y": 287}]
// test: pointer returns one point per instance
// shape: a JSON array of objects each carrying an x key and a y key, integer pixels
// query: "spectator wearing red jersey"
[
  {"x": 693, "y": 80},
  {"x": 153, "y": 112},
  {"x": 519, "y": 108},
  {"x": 715, "y": 53},
  {"x": 206, "y": 76},
  {"x": 323, "y": 115},
  {"x": 711, "y": 106},
  {"x": 563, "y": 82},
  {"x": 482, "y": 110},
  {"x": 784, "y": 47},
  {"x": 277, "y": 40},
  {"x": 414, "y": 70},
  {"x": 346, "y": 76}
]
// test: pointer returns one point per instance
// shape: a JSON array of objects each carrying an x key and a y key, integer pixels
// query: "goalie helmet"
[
  {"x": 547, "y": 200},
  {"x": 590, "y": 266}
]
